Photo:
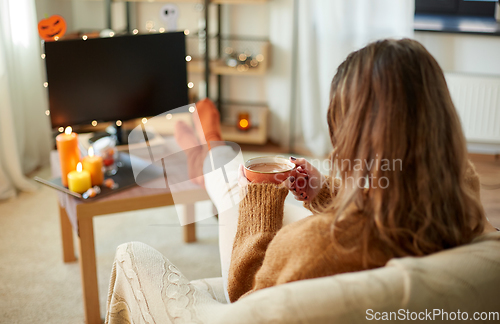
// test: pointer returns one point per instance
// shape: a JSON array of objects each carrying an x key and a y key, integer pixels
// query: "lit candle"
[
  {"x": 79, "y": 180},
  {"x": 69, "y": 155},
  {"x": 243, "y": 121},
  {"x": 93, "y": 164}
]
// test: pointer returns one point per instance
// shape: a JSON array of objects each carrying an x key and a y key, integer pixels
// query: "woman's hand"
[
  {"x": 307, "y": 182},
  {"x": 242, "y": 180}
]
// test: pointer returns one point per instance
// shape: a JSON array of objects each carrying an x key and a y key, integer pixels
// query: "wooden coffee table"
[{"x": 78, "y": 216}]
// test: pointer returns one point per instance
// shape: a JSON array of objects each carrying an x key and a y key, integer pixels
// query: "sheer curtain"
[
  {"x": 328, "y": 30},
  {"x": 24, "y": 127}
]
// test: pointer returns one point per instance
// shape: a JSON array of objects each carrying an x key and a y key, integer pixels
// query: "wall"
[
  {"x": 473, "y": 60},
  {"x": 462, "y": 53},
  {"x": 47, "y": 8}
]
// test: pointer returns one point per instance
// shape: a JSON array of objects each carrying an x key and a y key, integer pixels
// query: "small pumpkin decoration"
[{"x": 52, "y": 28}]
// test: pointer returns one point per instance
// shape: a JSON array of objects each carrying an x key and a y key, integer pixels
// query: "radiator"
[{"x": 477, "y": 99}]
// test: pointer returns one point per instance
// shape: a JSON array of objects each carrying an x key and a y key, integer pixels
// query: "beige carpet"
[{"x": 37, "y": 287}]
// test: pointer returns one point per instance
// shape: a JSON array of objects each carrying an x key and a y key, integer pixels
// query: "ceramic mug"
[{"x": 270, "y": 177}]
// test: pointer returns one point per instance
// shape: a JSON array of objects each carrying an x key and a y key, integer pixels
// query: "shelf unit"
[{"x": 218, "y": 67}]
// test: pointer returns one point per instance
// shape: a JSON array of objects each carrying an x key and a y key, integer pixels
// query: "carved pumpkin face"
[{"x": 52, "y": 28}]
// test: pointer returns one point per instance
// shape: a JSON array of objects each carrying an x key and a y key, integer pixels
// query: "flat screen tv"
[{"x": 115, "y": 78}]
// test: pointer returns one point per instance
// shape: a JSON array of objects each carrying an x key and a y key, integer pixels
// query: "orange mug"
[{"x": 268, "y": 169}]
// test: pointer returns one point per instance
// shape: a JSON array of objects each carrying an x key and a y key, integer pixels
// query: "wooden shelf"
[
  {"x": 218, "y": 67},
  {"x": 256, "y": 135}
]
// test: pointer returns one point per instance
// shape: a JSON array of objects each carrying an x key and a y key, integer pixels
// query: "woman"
[
  {"x": 405, "y": 187},
  {"x": 402, "y": 187}
]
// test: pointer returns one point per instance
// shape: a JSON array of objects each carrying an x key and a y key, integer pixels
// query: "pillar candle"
[
  {"x": 69, "y": 155},
  {"x": 79, "y": 180},
  {"x": 93, "y": 164}
]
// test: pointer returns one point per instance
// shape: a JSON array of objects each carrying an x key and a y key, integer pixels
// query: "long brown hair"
[{"x": 390, "y": 104}]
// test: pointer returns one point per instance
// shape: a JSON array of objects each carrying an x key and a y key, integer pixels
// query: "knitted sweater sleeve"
[{"x": 260, "y": 217}]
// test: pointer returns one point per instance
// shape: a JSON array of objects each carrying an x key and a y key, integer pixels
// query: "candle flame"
[
  {"x": 244, "y": 123},
  {"x": 91, "y": 151},
  {"x": 68, "y": 130},
  {"x": 79, "y": 167}
]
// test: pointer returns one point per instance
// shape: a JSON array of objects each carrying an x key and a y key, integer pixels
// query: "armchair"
[{"x": 146, "y": 287}]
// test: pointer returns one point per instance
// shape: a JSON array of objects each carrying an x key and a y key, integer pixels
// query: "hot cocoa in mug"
[{"x": 268, "y": 169}]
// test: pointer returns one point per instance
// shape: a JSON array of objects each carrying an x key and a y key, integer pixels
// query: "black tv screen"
[{"x": 116, "y": 78}]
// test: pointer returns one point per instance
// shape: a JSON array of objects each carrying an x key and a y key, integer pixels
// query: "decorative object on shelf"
[
  {"x": 52, "y": 28},
  {"x": 79, "y": 180},
  {"x": 94, "y": 165},
  {"x": 111, "y": 184},
  {"x": 169, "y": 13},
  {"x": 242, "y": 61},
  {"x": 243, "y": 121},
  {"x": 69, "y": 154},
  {"x": 92, "y": 192},
  {"x": 105, "y": 147},
  {"x": 106, "y": 33},
  {"x": 150, "y": 26},
  {"x": 123, "y": 179},
  {"x": 230, "y": 58},
  {"x": 238, "y": 56},
  {"x": 258, "y": 118}
]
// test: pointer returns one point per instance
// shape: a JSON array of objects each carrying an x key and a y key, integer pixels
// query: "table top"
[{"x": 155, "y": 193}]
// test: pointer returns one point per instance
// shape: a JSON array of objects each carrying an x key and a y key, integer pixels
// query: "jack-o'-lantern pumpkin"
[{"x": 52, "y": 28}]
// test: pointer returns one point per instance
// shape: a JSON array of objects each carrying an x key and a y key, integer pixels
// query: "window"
[{"x": 457, "y": 7}]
